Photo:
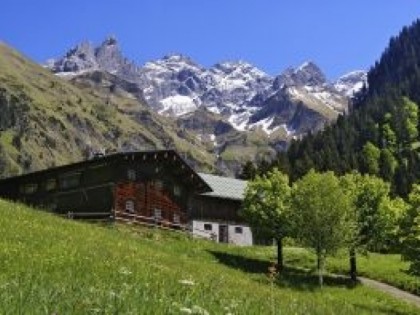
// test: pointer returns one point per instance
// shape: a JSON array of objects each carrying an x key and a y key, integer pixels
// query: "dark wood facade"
[
  {"x": 153, "y": 184},
  {"x": 217, "y": 209}
]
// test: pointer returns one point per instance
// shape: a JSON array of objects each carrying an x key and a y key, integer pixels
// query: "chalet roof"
[
  {"x": 115, "y": 157},
  {"x": 224, "y": 187}
]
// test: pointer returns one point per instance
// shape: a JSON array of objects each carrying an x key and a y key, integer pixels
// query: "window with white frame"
[
  {"x": 157, "y": 213},
  {"x": 129, "y": 206},
  {"x": 208, "y": 227}
]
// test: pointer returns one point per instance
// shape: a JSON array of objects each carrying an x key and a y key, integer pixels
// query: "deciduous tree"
[
  {"x": 321, "y": 215},
  {"x": 267, "y": 207}
]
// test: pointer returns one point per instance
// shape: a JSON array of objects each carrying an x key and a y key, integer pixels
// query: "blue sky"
[{"x": 339, "y": 35}]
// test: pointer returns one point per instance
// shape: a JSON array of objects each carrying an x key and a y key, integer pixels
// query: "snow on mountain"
[
  {"x": 351, "y": 83},
  {"x": 173, "y": 85},
  {"x": 244, "y": 95},
  {"x": 177, "y": 105},
  {"x": 240, "y": 118},
  {"x": 265, "y": 124},
  {"x": 235, "y": 84}
]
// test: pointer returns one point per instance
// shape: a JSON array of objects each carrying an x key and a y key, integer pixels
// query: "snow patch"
[
  {"x": 213, "y": 138},
  {"x": 177, "y": 105},
  {"x": 240, "y": 121},
  {"x": 73, "y": 74},
  {"x": 265, "y": 125}
]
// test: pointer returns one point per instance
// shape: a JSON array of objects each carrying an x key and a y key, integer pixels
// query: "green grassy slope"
[
  {"x": 388, "y": 268},
  {"x": 51, "y": 265},
  {"x": 48, "y": 121}
]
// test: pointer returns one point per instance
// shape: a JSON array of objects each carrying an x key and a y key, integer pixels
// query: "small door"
[{"x": 223, "y": 234}]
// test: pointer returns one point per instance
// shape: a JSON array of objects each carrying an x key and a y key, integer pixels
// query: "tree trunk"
[
  {"x": 353, "y": 267},
  {"x": 321, "y": 270},
  {"x": 280, "y": 264}
]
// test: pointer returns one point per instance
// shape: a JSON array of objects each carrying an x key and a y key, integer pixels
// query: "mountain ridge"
[{"x": 176, "y": 85}]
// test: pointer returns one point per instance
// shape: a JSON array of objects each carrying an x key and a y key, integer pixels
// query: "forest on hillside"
[{"x": 380, "y": 134}]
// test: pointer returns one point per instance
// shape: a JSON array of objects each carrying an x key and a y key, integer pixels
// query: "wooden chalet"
[{"x": 153, "y": 187}]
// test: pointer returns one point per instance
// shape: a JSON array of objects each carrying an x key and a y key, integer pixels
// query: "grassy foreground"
[
  {"x": 390, "y": 269},
  {"x": 50, "y": 265}
]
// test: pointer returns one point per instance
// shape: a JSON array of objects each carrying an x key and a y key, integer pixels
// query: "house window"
[
  {"x": 29, "y": 189},
  {"x": 157, "y": 213},
  {"x": 177, "y": 219},
  {"x": 238, "y": 229},
  {"x": 208, "y": 227},
  {"x": 51, "y": 184},
  {"x": 177, "y": 190},
  {"x": 131, "y": 175},
  {"x": 129, "y": 206},
  {"x": 70, "y": 181}
]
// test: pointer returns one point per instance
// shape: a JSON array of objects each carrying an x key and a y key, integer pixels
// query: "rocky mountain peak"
[
  {"x": 351, "y": 83},
  {"x": 238, "y": 69},
  {"x": 85, "y": 57},
  {"x": 109, "y": 56},
  {"x": 79, "y": 58},
  {"x": 110, "y": 41},
  {"x": 308, "y": 74},
  {"x": 242, "y": 94}
]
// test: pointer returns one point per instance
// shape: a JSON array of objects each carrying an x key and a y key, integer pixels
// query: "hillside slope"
[
  {"x": 56, "y": 266},
  {"x": 47, "y": 121}
]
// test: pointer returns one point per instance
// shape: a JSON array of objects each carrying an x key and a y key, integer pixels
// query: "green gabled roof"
[{"x": 224, "y": 187}]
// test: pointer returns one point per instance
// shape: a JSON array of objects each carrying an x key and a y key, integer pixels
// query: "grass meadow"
[
  {"x": 388, "y": 268},
  {"x": 50, "y": 265}
]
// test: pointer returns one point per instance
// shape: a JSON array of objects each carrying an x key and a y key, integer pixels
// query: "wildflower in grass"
[
  {"x": 186, "y": 282},
  {"x": 124, "y": 271}
]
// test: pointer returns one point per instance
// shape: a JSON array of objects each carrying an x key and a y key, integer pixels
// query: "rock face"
[
  {"x": 295, "y": 102},
  {"x": 85, "y": 57}
]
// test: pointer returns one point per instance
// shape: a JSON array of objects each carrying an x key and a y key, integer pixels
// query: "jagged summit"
[
  {"x": 110, "y": 41},
  {"x": 86, "y": 57},
  {"x": 244, "y": 95},
  {"x": 79, "y": 58},
  {"x": 308, "y": 74}
]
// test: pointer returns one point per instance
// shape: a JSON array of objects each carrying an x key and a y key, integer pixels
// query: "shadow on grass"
[
  {"x": 290, "y": 277},
  {"x": 250, "y": 265},
  {"x": 307, "y": 280}
]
